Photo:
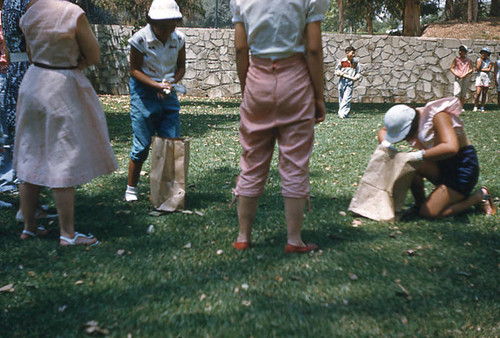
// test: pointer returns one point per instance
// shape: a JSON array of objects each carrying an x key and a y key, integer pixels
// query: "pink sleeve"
[{"x": 450, "y": 105}]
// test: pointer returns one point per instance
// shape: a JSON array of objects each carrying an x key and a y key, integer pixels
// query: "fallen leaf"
[
  {"x": 246, "y": 303},
  {"x": 7, "y": 288},
  {"x": 151, "y": 229},
  {"x": 279, "y": 279},
  {"x": 411, "y": 252},
  {"x": 236, "y": 289},
  {"x": 404, "y": 320},
  {"x": 155, "y": 213},
  {"x": 356, "y": 223},
  {"x": 120, "y": 252},
  {"x": 219, "y": 252},
  {"x": 187, "y": 212},
  {"x": 187, "y": 246},
  {"x": 352, "y": 276},
  {"x": 199, "y": 213},
  {"x": 244, "y": 286},
  {"x": 93, "y": 328},
  {"x": 79, "y": 282},
  {"x": 31, "y": 273},
  {"x": 342, "y": 213},
  {"x": 404, "y": 291},
  {"x": 202, "y": 297},
  {"x": 62, "y": 308}
]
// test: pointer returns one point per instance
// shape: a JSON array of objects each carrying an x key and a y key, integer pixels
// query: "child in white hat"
[
  {"x": 448, "y": 159},
  {"x": 483, "y": 81},
  {"x": 157, "y": 64}
]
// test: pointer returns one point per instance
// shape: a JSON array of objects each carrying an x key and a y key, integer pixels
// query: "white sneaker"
[
  {"x": 475, "y": 109},
  {"x": 39, "y": 214},
  {"x": 131, "y": 194},
  {"x": 482, "y": 109}
]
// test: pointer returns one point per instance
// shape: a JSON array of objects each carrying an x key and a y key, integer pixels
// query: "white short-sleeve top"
[
  {"x": 160, "y": 60},
  {"x": 275, "y": 29},
  {"x": 450, "y": 105}
]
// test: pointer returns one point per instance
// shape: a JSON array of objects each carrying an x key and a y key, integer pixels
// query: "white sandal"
[
  {"x": 72, "y": 241},
  {"x": 40, "y": 232}
]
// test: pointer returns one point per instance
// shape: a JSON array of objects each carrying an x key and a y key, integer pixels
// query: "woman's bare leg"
[{"x": 28, "y": 195}]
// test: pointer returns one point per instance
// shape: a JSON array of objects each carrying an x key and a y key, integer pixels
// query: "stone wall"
[{"x": 394, "y": 69}]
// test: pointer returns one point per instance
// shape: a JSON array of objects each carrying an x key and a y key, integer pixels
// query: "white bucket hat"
[
  {"x": 398, "y": 120},
  {"x": 164, "y": 10}
]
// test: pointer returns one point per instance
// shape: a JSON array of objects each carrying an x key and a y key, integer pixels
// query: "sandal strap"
[
  {"x": 72, "y": 241},
  {"x": 29, "y": 233}
]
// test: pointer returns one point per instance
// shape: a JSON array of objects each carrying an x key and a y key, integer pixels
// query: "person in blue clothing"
[{"x": 157, "y": 63}]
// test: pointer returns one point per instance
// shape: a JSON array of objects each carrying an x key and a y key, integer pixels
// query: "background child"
[
  {"x": 282, "y": 99},
  {"x": 348, "y": 70},
  {"x": 157, "y": 62},
  {"x": 461, "y": 68},
  {"x": 483, "y": 69},
  {"x": 497, "y": 78}
]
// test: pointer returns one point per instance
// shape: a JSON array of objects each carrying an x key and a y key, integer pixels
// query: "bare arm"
[
  {"x": 478, "y": 65},
  {"x": 242, "y": 58},
  {"x": 89, "y": 47},
  {"x": 496, "y": 72},
  {"x": 314, "y": 49},
  {"x": 381, "y": 134},
  {"x": 181, "y": 65},
  {"x": 452, "y": 68}
]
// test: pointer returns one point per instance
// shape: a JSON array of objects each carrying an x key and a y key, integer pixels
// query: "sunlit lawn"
[{"x": 177, "y": 274}]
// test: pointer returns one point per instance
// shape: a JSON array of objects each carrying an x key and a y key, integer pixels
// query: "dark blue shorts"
[{"x": 461, "y": 171}]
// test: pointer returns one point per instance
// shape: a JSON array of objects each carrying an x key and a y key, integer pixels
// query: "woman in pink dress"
[{"x": 61, "y": 132}]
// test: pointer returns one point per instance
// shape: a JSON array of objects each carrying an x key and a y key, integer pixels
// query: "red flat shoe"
[
  {"x": 289, "y": 248},
  {"x": 241, "y": 245}
]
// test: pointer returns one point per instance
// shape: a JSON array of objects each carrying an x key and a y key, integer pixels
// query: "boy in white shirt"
[
  {"x": 157, "y": 63},
  {"x": 348, "y": 71}
]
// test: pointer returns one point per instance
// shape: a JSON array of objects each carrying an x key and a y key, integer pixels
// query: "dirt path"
[{"x": 486, "y": 29}]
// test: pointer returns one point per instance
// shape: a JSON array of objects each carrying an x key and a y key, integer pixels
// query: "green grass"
[{"x": 160, "y": 287}]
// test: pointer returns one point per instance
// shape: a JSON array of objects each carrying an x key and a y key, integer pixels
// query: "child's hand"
[{"x": 320, "y": 111}]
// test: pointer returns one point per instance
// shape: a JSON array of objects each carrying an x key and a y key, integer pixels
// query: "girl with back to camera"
[
  {"x": 61, "y": 134},
  {"x": 157, "y": 63},
  {"x": 282, "y": 87}
]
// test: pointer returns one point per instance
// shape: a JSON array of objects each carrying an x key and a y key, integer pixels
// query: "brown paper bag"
[
  {"x": 383, "y": 187},
  {"x": 169, "y": 171}
]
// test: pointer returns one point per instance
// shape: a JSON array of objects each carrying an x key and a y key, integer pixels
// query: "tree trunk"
[
  {"x": 472, "y": 8},
  {"x": 369, "y": 20},
  {"x": 449, "y": 10},
  {"x": 495, "y": 8},
  {"x": 411, "y": 18},
  {"x": 340, "y": 5}
]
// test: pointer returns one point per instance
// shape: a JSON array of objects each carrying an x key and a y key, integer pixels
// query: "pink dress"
[{"x": 61, "y": 135}]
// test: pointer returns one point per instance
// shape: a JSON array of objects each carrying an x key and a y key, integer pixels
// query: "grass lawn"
[{"x": 182, "y": 278}]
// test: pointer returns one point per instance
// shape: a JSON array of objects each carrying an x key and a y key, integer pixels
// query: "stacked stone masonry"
[{"x": 394, "y": 69}]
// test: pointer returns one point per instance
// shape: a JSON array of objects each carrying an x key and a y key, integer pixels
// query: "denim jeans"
[
  {"x": 345, "y": 96},
  {"x": 151, "y": 115}
]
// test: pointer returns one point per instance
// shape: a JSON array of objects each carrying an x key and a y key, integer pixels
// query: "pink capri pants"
[{"x": 278, "y": 104}]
